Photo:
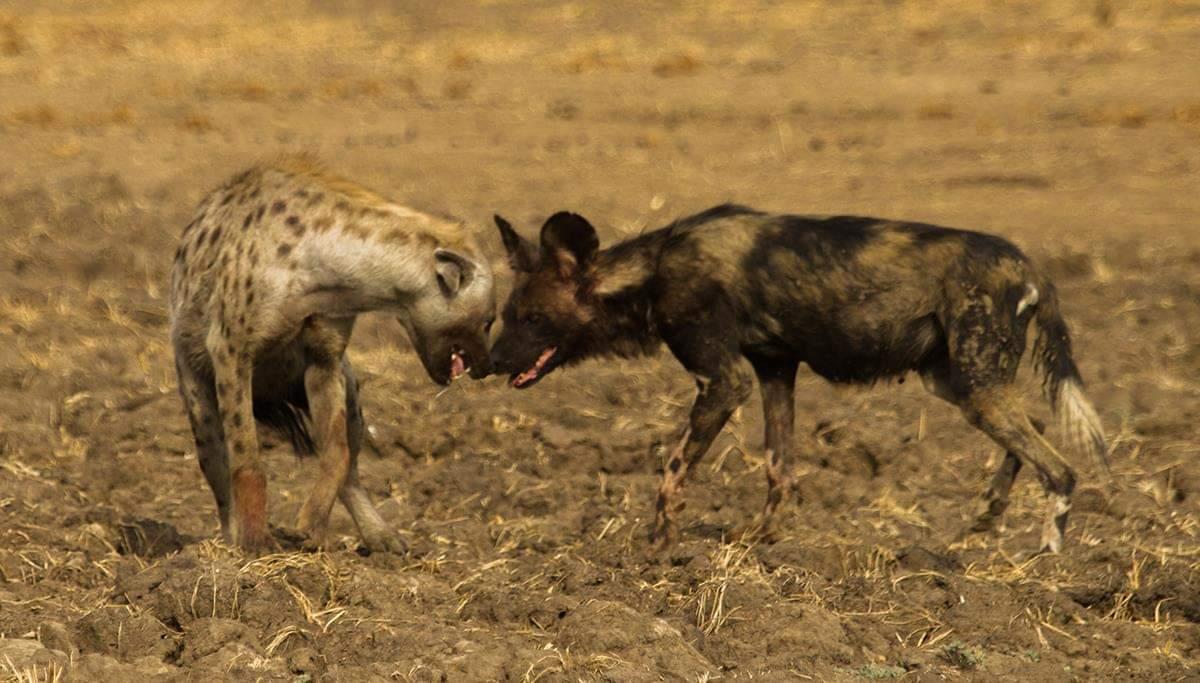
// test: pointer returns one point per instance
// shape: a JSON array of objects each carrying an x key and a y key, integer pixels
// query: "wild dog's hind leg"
[
  {"x": 777, "y": 382},
  {"x": 324, "y": 342},
  {"x": 995, "y": 498},
  {"x": 200, "y": 400},
  {"x": 375, "y": 532},
  {"x": 723, "y": 385},
  {"x": 996, "y": 413}
]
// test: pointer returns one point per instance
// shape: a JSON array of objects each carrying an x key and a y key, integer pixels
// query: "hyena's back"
[{"x": 858, "y": 299}]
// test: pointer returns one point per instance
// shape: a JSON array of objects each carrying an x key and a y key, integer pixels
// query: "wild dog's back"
[{"x": 858, "y": 298}]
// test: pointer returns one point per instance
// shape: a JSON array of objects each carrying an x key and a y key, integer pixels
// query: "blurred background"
[{"x": 1070, "y": 127}]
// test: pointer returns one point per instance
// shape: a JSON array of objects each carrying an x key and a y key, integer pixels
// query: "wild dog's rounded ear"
[
  {"x": 522, "y": 256},
  {"x": 453, "y": 271},
  {"x": 569, "y": 242}
]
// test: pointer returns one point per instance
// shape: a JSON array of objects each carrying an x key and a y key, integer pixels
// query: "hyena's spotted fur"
[
  {"x": 266, "y": 284},
  {"x": 737, "y": 294}
]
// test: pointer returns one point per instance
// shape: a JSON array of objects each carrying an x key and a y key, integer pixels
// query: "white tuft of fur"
[
  {"x": 1080, "y": 424},
  {"x": 1029, "y": 300}
]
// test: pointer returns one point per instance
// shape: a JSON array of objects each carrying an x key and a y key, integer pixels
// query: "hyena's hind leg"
[
  {"x": 375, "y": 532},
  {"x": 200, "y": 401}
]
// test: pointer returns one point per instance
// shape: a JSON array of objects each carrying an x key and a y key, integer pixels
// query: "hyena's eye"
[{"x": 487, "y": 326}]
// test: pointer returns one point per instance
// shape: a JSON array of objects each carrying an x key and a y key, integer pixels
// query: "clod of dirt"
[
  {"x": 21, "y": 654},
  {"x": 205, "y": 637},
  {"x": 638, "y": 641},
  {"x": 95, "y": 667},
  {"x": 148, "y": 538},
  {"x": 917, "y": 558},
  {"x": 55, "y": 636},
  {"x": 119, "y": 632}
]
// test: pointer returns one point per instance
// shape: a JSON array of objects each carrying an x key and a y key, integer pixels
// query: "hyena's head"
[
  {"x": 550, "y": 318},
  {"x": 449, "y": 322}
]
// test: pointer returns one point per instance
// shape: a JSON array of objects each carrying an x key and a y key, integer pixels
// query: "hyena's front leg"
[
  {"x": 723, "y": 385},
  {"x": 375, "y": 532},
  {"x": 325, "y": 384},
  {"x": 233, "y": 371},
  {"x": 200, "y": 400},
  {"x": 777, "y": 381}
]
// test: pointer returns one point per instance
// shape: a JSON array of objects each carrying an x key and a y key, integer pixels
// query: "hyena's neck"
[{"x": 358, "y": 256}]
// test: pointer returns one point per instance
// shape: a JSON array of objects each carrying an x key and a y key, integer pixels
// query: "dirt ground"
[{"x": 1070, "y": 127}]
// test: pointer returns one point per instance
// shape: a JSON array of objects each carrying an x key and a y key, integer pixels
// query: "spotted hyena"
[
  {"x": 268, "y": 280},
  {"x": 736, "y": 293}
]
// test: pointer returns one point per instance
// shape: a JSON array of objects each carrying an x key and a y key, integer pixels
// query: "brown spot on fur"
[
  {"x": 249, "y": 219},
  {"x": 249, "y": 298},
  {"x": 297, "y": 227},
  {"x": 262, "y": 209},
  {"x": 215, "y": 235},
  {"x": 300, "y": 194},
  {"x": 283, "y": 250},
  {"x": 323, "y": 223},
  {"x": 342, "y": 205},
  {"x": 315, "y": 199},
  {"x": 250, "y": 494},
  {"x": 278, "y": 207}
]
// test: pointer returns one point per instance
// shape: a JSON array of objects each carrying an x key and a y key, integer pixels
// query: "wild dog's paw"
[{"x": 385, "y": 541}]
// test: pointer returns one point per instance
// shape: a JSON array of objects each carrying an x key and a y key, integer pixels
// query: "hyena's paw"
[{"x": 256, "y": 544}]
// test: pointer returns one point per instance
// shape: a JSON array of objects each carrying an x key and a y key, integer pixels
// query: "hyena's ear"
[
  {"x": 522, "y": 256},
  {"x": 454, "y": 271},
  {"x": 569, "y": 242}
]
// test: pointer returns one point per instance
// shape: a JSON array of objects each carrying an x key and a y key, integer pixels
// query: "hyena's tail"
[
  {"x": 1077, "y": 418},
  {"x": 289, "y": 417}
]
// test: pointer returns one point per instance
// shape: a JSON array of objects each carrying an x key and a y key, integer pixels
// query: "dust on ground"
[{"x": 1071, "y": 128}]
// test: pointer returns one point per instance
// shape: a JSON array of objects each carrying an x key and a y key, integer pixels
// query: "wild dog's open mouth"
[
  {"x": 458, "y": 364},
  {"x": 534, "y": 373}
]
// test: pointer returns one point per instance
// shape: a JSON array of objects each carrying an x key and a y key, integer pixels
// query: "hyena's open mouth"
[{"x": 539, "y": 369}]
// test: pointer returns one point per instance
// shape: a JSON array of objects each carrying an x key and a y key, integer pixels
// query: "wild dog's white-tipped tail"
[{"x": 1080, "y": 424}]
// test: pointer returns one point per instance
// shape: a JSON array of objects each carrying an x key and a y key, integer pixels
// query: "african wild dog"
[
  {"x": 268, "y": 279},
  {"x": 857, "y": 299}
]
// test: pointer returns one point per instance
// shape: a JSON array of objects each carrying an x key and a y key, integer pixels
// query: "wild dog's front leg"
[
  {"x": 777, "y": 381},
  {"x": 723, "y": 384}
]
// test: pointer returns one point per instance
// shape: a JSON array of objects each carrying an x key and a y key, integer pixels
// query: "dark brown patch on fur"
[
  {"x": 283, "y": 250},
  {"x": 278, "y": 207}
]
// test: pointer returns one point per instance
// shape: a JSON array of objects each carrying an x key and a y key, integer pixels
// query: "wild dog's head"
[
  {"x": 550, "y": 318},
  {"x": 450, "y": 321}
]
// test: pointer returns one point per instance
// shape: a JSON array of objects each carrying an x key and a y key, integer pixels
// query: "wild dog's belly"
[{"x": 847, "y": 346}]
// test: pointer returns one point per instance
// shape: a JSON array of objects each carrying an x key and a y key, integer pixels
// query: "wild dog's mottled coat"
[
  {"x": 266, "y": 284},
  {"x": 857, "y": 299}
]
